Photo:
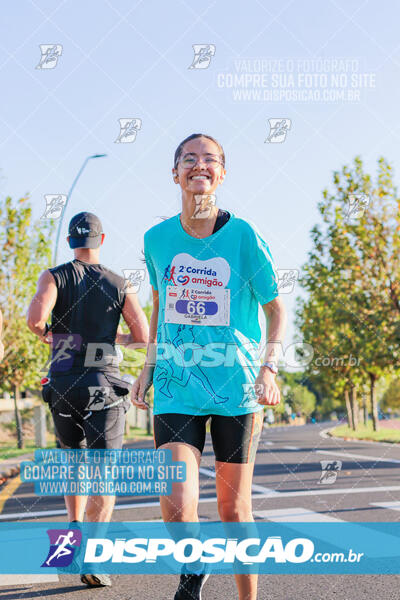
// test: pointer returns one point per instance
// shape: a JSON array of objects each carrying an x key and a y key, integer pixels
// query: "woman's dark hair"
[{"x": 179, "y": 149}]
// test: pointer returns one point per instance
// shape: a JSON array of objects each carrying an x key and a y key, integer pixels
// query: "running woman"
[
  {"x": 87, "y": 397},
  {"x": 209, "y": 271}
]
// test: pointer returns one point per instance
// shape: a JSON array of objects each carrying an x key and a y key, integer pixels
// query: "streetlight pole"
[{"x": 68, "y": 197}]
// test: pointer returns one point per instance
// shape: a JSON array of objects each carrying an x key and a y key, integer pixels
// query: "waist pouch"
[{"x": 77, "y": 393}]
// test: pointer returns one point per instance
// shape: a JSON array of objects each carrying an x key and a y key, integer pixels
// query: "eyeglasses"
[{"x": 191, "y": 160}]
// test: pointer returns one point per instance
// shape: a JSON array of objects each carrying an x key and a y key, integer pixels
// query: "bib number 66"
[{"x": 196, "y": 308}]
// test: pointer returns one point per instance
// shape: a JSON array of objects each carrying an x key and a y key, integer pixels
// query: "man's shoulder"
[
  {"x": 114, "y": 277},
  {"x": 61, "y": 267},
  {"x": 57, "y": 273}
]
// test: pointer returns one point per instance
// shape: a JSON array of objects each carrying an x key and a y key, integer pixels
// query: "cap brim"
[{"x": 85, "y": 242}]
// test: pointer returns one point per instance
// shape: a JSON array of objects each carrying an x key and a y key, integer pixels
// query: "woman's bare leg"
[{"x": 233, "y": 481}]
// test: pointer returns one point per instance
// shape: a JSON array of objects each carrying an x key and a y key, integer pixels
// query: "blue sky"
[{"x": 127, "y": 59}]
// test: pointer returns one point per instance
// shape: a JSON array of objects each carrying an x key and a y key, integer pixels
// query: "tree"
[
  {"x": 302, "y": 400},
  {"x": 25, "y": 252},
  {"x": 391, "y": 397},
  {"x": 352, "y": 280}
]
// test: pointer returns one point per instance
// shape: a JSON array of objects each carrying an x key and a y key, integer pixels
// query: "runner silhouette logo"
[{"x": 63, "y": 543}]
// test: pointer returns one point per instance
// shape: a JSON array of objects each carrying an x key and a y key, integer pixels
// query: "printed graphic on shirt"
[
  {"x": 197, "y": 293},
  {"x": 169, "y": 372}
]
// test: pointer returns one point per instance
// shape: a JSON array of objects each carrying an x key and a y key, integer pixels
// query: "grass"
[
  {"x": 367, "y": 433},
  {"x": 7, "y": 451},
  {"x": 137, "y": 434}
]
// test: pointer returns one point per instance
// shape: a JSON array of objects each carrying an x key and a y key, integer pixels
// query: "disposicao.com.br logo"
[
  {"x": 143, "y": 547},
  {"x": 63, "y": 544},
  {"x": 212, "y": 551}
]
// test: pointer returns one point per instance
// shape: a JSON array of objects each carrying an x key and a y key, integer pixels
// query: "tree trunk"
[
  {"x": 354, "y": 407},
  {"x": 18, "y": 422},
  {"x": 365, "y": 408},
  {"x": 374, "y": 405},
  {"x": 348, "y": 409}
]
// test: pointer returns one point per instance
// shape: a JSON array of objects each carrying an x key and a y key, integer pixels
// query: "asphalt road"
[{"x": 285, "y": 487}]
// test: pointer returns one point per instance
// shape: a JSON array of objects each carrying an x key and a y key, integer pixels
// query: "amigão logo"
[{"x": 63, "y": 543}]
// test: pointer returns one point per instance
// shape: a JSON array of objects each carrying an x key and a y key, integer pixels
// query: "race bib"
[{"x": 193, "y": 306}]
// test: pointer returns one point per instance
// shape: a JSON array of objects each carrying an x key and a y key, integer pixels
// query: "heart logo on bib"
[
  {"x": 187, "y": 268},
  {"x": 183, "y": 280}
]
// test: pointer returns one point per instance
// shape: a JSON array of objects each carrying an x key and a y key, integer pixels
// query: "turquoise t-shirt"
[{"x": 208, "y": 331}]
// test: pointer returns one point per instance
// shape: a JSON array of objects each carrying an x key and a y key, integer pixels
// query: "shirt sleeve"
[
  {"x": 59, "y": 277},
  {"x": 149, "y": 264},
  {"x": 263, "y": 274}
]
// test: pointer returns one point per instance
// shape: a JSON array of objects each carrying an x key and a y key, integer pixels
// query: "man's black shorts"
[{"x": 88, "y": 409}]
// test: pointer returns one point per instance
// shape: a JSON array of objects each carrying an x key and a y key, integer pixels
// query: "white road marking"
[
  {"x": 317, "y": 492},
  {"x": 291, "y": 448},
  {"x": 389, "y": 505},
  {"x": 295, "y": 515},
  {"x": 362, "y": 456},
  {"x": 267, "y": 443},
  {"x": 25, "y": 579},
  {"x": 256, "y": 488},
  {"x": 300, "y": 517}
]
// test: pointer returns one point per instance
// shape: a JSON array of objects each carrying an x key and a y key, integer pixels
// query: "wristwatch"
[{"x": 271, "y": 366}]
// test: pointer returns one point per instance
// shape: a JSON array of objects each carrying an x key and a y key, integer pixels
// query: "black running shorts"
[
  {"x": 235, "y": 439},
  {"x": 88, "y": 410}
]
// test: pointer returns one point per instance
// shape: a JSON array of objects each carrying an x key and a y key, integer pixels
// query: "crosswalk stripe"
[
  {"x": 295, "y": 515},
  {"x": 362, "y": 456},
  {"x": 202, "y": 499},
  {"x": 300, "y": 518},
  {"x": 394, "y": 505},
  {"x": 25, "y": 579}
]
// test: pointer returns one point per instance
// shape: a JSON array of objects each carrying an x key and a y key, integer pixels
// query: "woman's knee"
[
  {"x": 179, "y": 507},
  {"x": 234, "y": 511}
]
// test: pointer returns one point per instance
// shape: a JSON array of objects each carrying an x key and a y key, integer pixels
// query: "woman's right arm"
[
  {"x": 145, "y": 379},
  {"x": 152, "y": 345}
]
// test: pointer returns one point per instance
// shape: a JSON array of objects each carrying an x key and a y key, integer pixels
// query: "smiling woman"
[
  {"x": 220, "y": 307},
  {"x": 195, "y": 136}
]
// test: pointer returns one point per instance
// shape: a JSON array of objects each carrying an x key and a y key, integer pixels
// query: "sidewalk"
[{"x": 10, "y": 467}]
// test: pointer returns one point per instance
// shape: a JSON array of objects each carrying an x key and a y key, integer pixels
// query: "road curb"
[
  {"x": 13, "y": 469},
  {"x": 326, "y": 433}
]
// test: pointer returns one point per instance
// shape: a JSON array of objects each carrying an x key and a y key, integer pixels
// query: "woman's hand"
[
  {"x": 141, "y": 387},
  {"x": 267, "y": 390}
]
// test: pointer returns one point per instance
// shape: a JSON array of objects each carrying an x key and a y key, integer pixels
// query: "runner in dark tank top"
[
  {"x": 86, "y": 394},
  {"x": 90, "y": 300}
]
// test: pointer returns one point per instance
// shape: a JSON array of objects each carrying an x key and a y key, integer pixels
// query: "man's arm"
[
  {"x": 136, "y": 320},
  {"x": 42, "y": 304},
  {"x": 145, "y": 379}
]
